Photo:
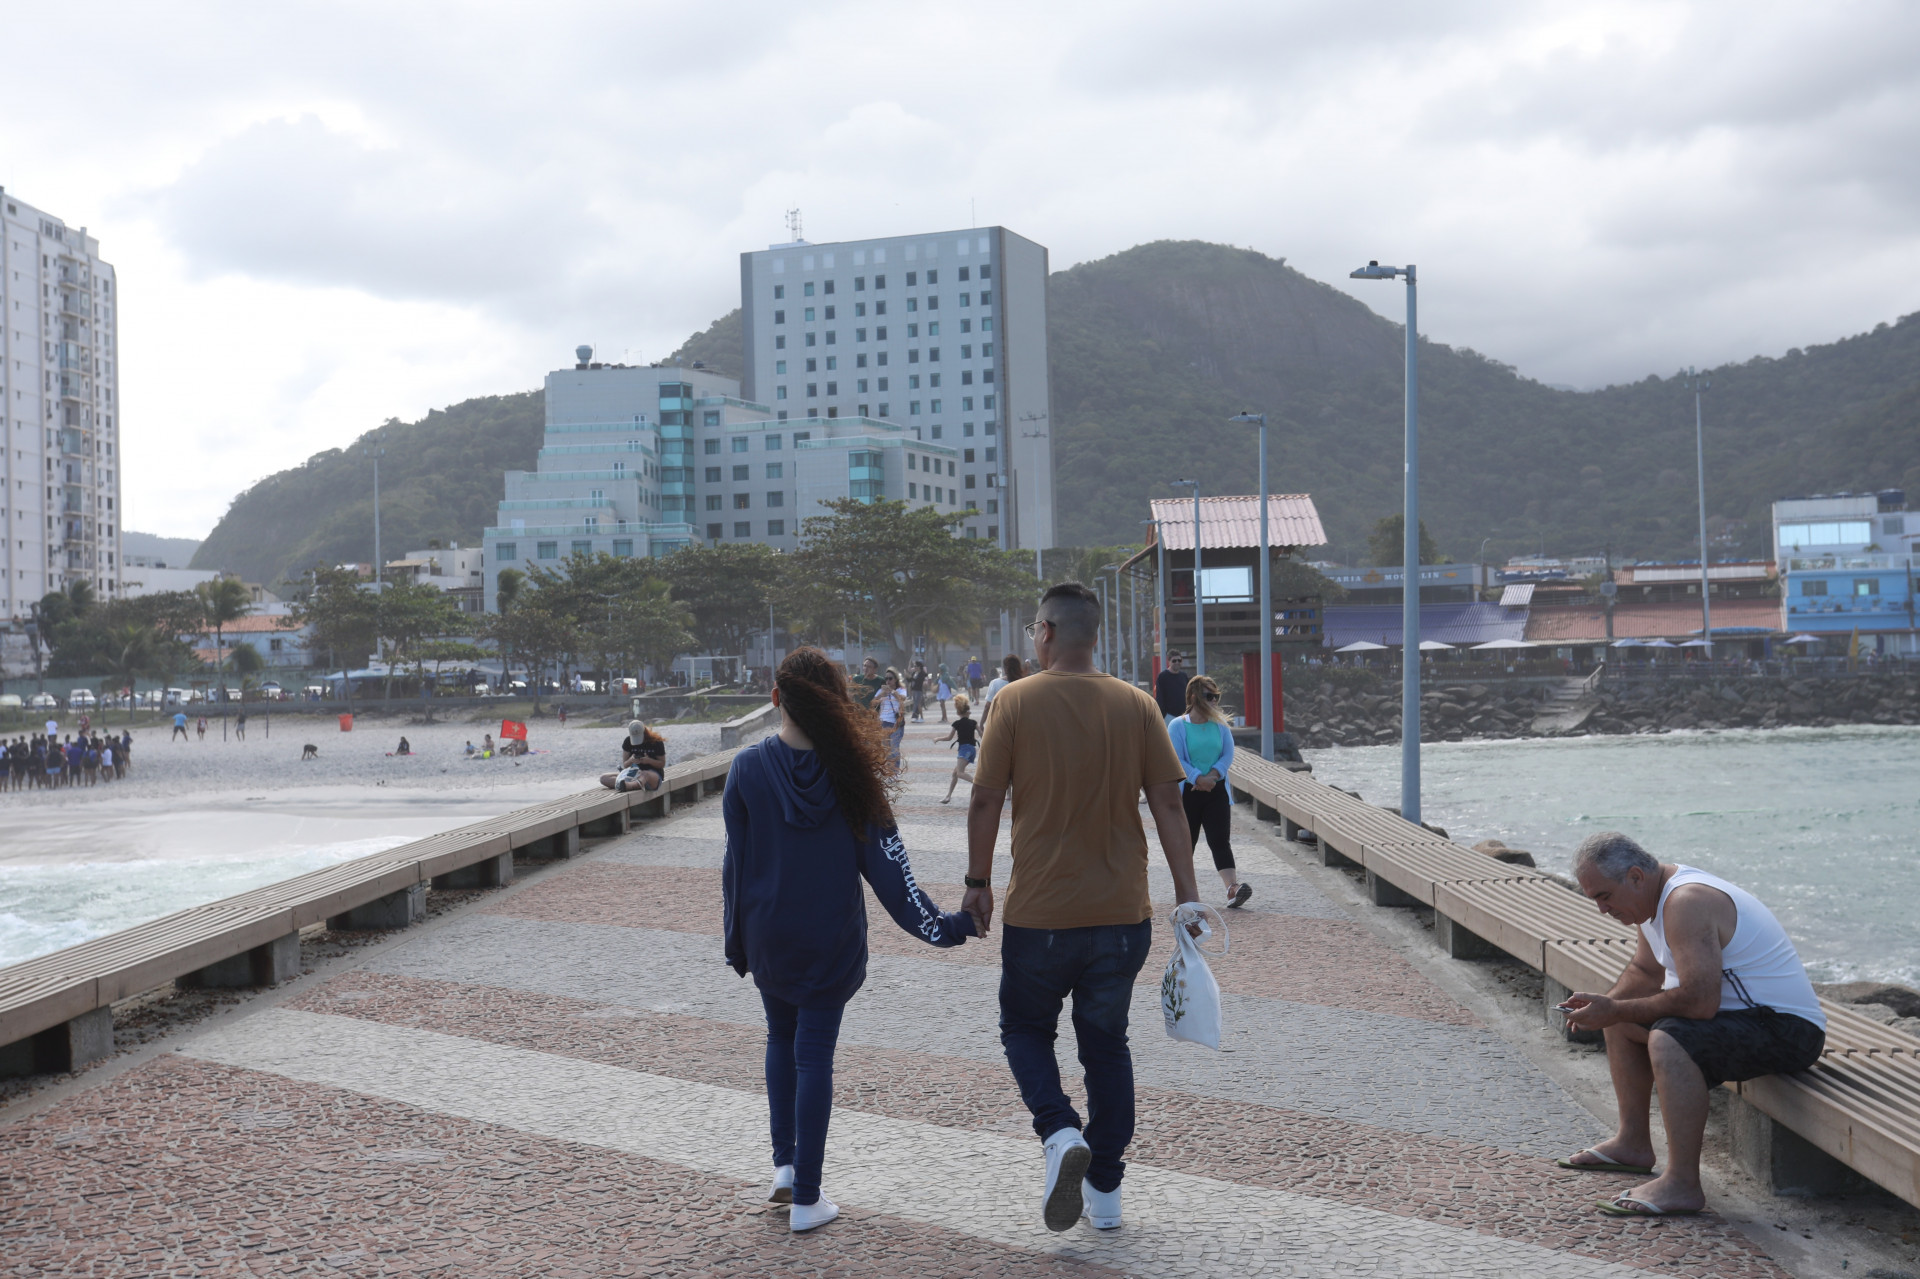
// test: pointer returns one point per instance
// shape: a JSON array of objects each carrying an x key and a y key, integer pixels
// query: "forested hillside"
[{"x": 1155, "y": 347}]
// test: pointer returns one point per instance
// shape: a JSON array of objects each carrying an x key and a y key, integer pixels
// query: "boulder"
[
  {"x": 1500, "y": 852},
  {"x": 1903, "y": 1000}
]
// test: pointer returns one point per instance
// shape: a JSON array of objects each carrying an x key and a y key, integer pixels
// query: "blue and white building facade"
[
  {"x": 1849, "y": 562},
  {"x": 936, "y": 345}
]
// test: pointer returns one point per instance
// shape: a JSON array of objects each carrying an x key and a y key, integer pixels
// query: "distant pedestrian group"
[{"x": 47, "y": 761}]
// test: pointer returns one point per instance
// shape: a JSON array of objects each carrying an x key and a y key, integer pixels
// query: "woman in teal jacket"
[{"x": 1203, "y": 739}]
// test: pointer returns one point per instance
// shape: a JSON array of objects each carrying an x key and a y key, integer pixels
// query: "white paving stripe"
[{"x": 973, "y": 1183}]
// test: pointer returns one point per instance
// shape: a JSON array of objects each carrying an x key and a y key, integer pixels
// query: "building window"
[
  {"x": 829, "y": 316},
  {"x": 859, "y": 284},
  {"x": 881, "y": 359},
  {"x": 811, "y": 337},
  {"x": 992, "y": 455},
  {"x": 993, "y": 506},
  {"x": 935, "y": 408},
  {"x": 833, "y": 361},
  {"x": 966, "y": 455},
  {"x": 743, "y": 528},
  {"x": 623, "y": 547},
  {"x": 813, "y": 390},
  {"x": 913, "y": 408},
  {"x": 986, "y": 299},
  {"x": 986, "y": 375},
  {"x": 743, "y": 501},
  {"x": 913, "y": 490},
  {"x": 966, "y": 299},
  {"x": 833, "y": 388},
  {"x": 779, "y": 317},
  {"x": 740, "y": 443},
  {"x": 779, "y": 291},
  {"x": 801, "y": 437},
  {"x": 582, "y": 548},
  {"x": 776, "y": 498},
  {"x": 969, "y": 481},
  {"x": 913, "y": 356},
  {"x": 1813, "y": 587},
  {"x": 884, "y": 406},
  {"x": 966, "y": 378},
  {"x": 986, "y": 403},
  {"x": 779, "y": 393},
  {"x": 933, "y": 302},
  {"x": 966, "y": 326},
  {"x": 813, "y": 366},
  {"x": 547, "y": 550},
  {"x": 966, "y": 428},
  {"x": 780, "y": 342},
  {"x": 860, "y": 361},
  {"x": 713, "y": 475},
  {"x": 933, "y": 355},
  {"x": 972, "y": 530},
  {"x": 774, "y": 470},
  {"x": 776, "y": 528},
  {"x": 713, "y": 502},
  {"x": 880, "y": 308},
  {"x": 710, "y": 418},
  {"x": 712, "y": 446},
  {"x": 880, "y": 281},
  {"x": 966, "y": 404},
  {"x": 806, "y": 290},
  {"x": 934, "y": 435},
  {"x": 713, "y": 532},
  {"x": 986, "y": 272},
  {"x": 913, "y": 278},
  {"x": 773, "y": 444},
  {"x": 780, "y": 366},
  {"x": 740, "y": 471},
  {"x": 913, "y": 304},
  {"x": 504, "y": 551},
  {"x": 781, "y": 415},
  {"x": 860, "y": 384},
  {"x": 986, "y": 326},
  {"x": 1866, "y": 586},
  {"x": 807, "y": 315}
]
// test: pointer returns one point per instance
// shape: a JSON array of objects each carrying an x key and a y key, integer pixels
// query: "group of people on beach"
[
  {"x": 46, "y": 760},
  {"x": 1715, "y": 991}
]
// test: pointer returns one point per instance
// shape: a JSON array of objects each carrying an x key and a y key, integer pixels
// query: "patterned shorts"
[{"x": 1743, "y": 1043}]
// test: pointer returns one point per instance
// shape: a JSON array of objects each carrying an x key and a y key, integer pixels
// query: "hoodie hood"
[{"x": 800, "y": 780}]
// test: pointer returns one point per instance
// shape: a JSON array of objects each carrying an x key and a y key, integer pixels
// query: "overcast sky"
[{"x": 325, "y": 215}]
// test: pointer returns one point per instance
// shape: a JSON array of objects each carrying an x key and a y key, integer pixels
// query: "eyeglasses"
[
  {"x": 1212, "y": 697},
  {"x": 1033, "y": 628}
]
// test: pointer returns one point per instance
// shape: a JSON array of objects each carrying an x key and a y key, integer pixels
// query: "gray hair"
[{"x": 1612, "y": 854}]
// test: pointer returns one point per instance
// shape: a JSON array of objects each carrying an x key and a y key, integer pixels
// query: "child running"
[
  {"x": 807, "y": 818},
  {"x": 962, "y": 731}
]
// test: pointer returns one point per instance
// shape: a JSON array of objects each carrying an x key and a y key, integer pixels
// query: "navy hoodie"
[{"x": 795, "y": 916}]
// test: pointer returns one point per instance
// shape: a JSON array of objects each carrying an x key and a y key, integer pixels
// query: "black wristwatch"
[{"x": 971, "y": 882}]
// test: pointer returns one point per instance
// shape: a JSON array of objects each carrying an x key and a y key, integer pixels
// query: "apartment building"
[
  {"x": 939, "y": 339},
  {"x": 59, "y": 409},
  {"x": 641, "y": 461},
  {"x": 1850, "y": 565}
]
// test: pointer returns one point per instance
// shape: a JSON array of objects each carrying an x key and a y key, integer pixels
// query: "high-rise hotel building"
[
  {"x": 940, "y": 339},
  {"x": 60, "y": 411}
]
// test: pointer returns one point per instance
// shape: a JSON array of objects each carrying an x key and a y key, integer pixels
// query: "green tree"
[
  {"x": 648, "y": 627},
  {"x": 342, "y": 617},
  {"x": 534, "y": 635},
  {"x": 226, "y": 599},
  {"x": 726, "y": 588},
  {"x": 130, "y": 654},
  {"x": 510, "y": 581},
  {"x": 410, "y": 614},
  {"x": 902, "y": 570},
  {"x": 1386, "y": 545}
]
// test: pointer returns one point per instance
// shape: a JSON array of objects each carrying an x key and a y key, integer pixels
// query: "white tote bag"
[{"x": 1189, "y": 996}]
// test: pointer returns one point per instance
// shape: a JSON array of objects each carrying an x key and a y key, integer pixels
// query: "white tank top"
[{"x": 1759, "y": 967}]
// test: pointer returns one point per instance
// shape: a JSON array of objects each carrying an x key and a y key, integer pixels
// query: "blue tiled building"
[{"x": 1848, "y": 563}]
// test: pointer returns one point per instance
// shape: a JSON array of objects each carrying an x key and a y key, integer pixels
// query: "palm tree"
[
  {"x": 226, "y": 599},
  {"x": 129, "y": 655}
]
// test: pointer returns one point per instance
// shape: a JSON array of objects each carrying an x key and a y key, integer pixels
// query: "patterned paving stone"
[
  {"x": 1179, "y": 1223},
  {"x": 1437, "y": 1179},
  {"x": 1397, "y": 1072}
]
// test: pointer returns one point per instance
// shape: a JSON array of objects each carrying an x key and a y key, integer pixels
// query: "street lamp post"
[
  {"x": 1410, "y": 556},
  {"x": 1160, "y": 592},
  {"x": 1199, "y": 605},
  {"x": 1114, "y": 665},
  {"x": 1266, "y": 596},
  {"x": 378, "y": 565},
  {"x": 1700, "y": 386}
]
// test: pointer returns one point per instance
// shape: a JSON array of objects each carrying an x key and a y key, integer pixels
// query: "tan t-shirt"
[{"x": 1075, "y": 749}]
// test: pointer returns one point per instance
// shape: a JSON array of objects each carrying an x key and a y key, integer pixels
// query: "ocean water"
[{"x": 1822, "y": 824}]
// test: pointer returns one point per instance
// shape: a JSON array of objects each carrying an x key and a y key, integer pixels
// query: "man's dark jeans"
[{"x": 1039, "y": 968}]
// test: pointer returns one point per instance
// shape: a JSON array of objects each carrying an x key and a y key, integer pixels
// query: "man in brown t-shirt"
[{"x": 1076, "y": 748}]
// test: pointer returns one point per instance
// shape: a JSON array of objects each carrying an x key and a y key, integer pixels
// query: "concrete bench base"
[
  {"x": 495, "y": 872},
  {"x": 72, "y": 1045},
  {"x": 564, "y": 844},
  {"x": 1382, "y": 893},
  {"x": 1461, "y": 943},
  {"x": 1265, "y": 812},
  {"x": 1551, "y": 993},
  {"x": 610, "y": 825},
  {"x": 395, "y": 910},
  {"x": 1783, "y": 1161},
  {"x": 268, "y": 965}
]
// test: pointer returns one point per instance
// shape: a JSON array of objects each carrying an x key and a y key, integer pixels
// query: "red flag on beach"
[{"x": 513, "y": 730}]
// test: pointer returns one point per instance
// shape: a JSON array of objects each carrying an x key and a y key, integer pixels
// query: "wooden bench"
[
  {"x": 55, "y": 1009},
  {"x": 1858, "y": 1109}
]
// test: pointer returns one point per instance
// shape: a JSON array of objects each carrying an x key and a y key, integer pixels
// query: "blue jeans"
[
  {"x": 1039, "y": 968},
  {"x": 800, "y": 1043}
]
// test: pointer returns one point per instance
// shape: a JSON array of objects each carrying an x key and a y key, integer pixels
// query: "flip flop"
[
  {"x": 1606, "y": 1165},
  {"x": 1618, "y": 1206}
]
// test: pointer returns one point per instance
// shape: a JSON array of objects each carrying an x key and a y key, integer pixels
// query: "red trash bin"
[{"x": 346, "y": 723}]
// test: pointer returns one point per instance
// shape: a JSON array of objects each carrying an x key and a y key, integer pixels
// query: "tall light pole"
[
  {"x": 379, "y": 565},
  {"x": 1410, "y": 556},
  {"x": 1199, "y": 607},
  {"x": 1114, "y": 666},
  {"x": 1701, "y": 386},
  {"x": 1160, "y": 593},
  {"x": 1266, "y": 595}
]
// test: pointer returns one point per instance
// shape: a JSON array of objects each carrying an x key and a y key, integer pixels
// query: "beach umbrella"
[
  {"x": 1504, "y": 643},
  {"x": 1696, "y": 644},
  {"x": 1802, "y": 639},
  {"x": 1362, "y": 646},
  {"x": 1625, "y": 643},
  {"x": 1659, "y": 643},
  {"x": 1434, "y": 646}
]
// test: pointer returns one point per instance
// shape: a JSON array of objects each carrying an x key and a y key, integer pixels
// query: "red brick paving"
[
  {"x": 231, "y": 1172},
  {"x": 1332, "y": 962},
  {"x": 1429, "y": 1177}
]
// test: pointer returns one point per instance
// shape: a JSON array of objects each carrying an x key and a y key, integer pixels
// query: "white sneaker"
[
  {"x": 782, "y": 1191},
  {"x": 1067, "y": 1158},
  {"x": 1102, "y": 1210},
  {"x": 807, "y": 1216}
]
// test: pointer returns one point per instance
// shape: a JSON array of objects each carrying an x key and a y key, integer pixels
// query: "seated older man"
[{"x": 1715, "y": 992}]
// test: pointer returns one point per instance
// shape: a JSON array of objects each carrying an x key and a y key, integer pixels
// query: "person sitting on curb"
[
  {"x": 643, "y": 760},
  {"x": 1715, "y": 992}
]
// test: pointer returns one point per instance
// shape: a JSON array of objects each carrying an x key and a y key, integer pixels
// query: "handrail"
[
  {"x": 54, "y": 1008},
  {"x": 1592, "y": 681},
  {"x": 761, "y": 717}
]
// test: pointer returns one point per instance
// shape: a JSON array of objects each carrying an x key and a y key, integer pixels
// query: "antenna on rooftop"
[{"x": 793, "y": 223}]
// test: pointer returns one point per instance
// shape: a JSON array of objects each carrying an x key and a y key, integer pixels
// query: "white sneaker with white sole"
[
  {"x": 1102, "y": 1209},
  {"x": 1067, "y": 1158},
  {"x": 782, "y": 1189},
  {"x": 807, "y": 1216}
]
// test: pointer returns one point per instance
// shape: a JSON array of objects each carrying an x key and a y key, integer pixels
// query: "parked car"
[
  {"x": 11, "y": 702},
  {"x": 82, "y": 699},
  {"x": 43, "y": 702},
  {"x": 177, "y": 697},
  {"x": 315, "y": 692}
]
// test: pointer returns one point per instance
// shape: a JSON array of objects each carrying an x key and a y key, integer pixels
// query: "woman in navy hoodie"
[{"x": 808, "y": 817}]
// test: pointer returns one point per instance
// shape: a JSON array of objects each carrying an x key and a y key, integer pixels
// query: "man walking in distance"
[
  {"x": 1715, "y": 992},
  {"x": 1075, "y": 747},
  {"x": 1170, "y": 688}
]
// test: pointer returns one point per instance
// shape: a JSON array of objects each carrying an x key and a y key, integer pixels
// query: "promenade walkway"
[{"x": 564, "y": 1079}]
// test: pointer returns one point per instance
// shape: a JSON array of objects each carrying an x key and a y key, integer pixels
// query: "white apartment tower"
[
  {"x": 59, "y": 375},
  {"x": 939, "y": 339}
]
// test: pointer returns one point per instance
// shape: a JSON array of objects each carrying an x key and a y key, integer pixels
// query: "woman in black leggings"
[{"x": 1203, "y": 739}]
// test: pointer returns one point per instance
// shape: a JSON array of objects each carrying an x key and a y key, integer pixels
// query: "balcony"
[
  {"x": 74, "y": 387},
  {"x": 79, "y": 305},
  {"x": 73, "y": 443},
  {"x": 530, "y": 504}
]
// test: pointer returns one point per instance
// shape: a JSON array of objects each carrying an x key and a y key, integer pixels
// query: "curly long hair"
[{"x": 853, "y": 745}]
